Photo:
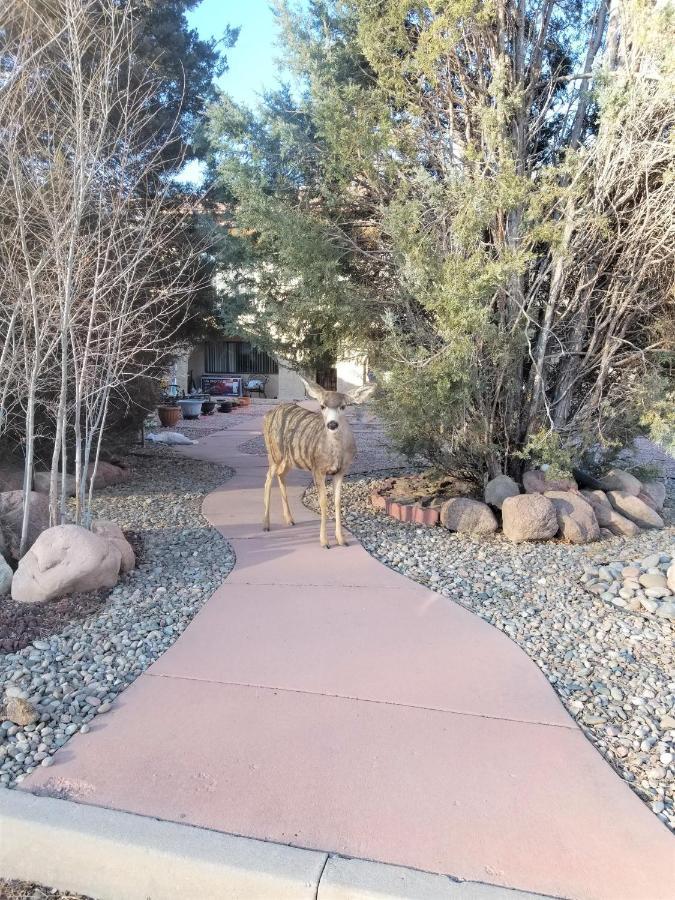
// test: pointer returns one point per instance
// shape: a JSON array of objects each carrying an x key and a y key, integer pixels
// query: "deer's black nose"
[{"x": 332, "y": 425}]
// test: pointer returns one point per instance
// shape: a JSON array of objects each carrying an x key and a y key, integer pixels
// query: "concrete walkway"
[{"x": 323, "y": 701}]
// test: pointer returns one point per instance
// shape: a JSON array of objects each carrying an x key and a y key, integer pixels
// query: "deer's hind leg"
[
  {"x": 282, "y": 472},
  {"x": 268, "y": 494}
]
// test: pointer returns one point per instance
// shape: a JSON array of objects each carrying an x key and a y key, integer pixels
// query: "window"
[{"x": 238, "y": 358}]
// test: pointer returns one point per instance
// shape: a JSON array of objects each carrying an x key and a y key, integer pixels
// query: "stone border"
[{"x": 113, "y": 855}]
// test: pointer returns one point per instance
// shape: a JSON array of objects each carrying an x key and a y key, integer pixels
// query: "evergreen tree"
[{"x": 430, "y": 192}]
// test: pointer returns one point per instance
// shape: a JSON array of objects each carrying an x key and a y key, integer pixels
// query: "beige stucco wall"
[{"x": 351, "y": 372}]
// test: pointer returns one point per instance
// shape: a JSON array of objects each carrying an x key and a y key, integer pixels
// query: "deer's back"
[{"x": 293, "y": 434}]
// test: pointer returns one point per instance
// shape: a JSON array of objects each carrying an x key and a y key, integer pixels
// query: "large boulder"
[
  {"x": 536, "y": 482},
  {"x": 467, "y": 516},
  {"x": 6, "y": 575},
  {"x": 529, "y": 517},
  {"x": 107, "y": 473},
  {"x": 66, "y": 559},
  {"x": 576, "y": 519},
  {"x": 113, "y": 533},
  {"x": 11, "y": 516},
  {"x": 654, "y": 494},
  {"x": 499, "y": 488},
  {"x": 607, "y": 516},
  {"x": 11, "y": 477},
  {"x": 670, "y": 577},
  {"x": 42, "y": 481},
  {"x": 618, "y": 480},
  {"x": 636, "y": 510}
]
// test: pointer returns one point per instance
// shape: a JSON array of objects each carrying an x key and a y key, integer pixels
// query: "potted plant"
[
  {"x": 191, "y": 407},
  {"x": 208, "y": 407},
  {"x": 169, "y": 412},
  {"x": 225, "y": 406}
]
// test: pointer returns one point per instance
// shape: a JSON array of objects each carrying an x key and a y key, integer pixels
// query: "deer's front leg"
[
  {"x": 337, "y": 490},
  {"x": 320, "y": 481},
  {"x": 267, "y": 497}
]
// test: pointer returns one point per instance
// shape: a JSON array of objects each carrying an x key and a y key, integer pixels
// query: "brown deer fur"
[{"x": 320, "y": 442}]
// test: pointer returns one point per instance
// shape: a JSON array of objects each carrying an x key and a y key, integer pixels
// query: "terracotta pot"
[
  {"x": 424, "y": 515},
  {"x": 168, "y": 415},
  {"x": 244, "y": 401}
]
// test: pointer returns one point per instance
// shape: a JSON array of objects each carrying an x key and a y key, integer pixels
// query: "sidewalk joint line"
[{"x": 453, "y": 712}]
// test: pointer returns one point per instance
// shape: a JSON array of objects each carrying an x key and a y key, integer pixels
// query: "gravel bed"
[
  {"x": 75, "y": 674},
  {"x": 23, "y": 890},
  {"x": 614, "y": 670}
]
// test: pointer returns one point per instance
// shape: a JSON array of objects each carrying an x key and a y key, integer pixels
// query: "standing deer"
[{"x": 320, "y": 442}]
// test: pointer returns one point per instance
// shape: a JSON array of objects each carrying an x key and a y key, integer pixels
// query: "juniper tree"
[{"x": 479, "y": 194}]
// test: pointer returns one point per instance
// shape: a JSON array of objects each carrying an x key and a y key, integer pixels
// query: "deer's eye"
[
  {"x": 323, "y": 406},
  {"x": 342, "y": 408}
]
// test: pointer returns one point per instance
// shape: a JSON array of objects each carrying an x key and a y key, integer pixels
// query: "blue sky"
[{"x": 252, "y": 59}]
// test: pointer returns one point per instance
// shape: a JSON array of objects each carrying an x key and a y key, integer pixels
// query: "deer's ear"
[
  {"x": 315, "y": 391},
  {"x": 361, "y": 394}
]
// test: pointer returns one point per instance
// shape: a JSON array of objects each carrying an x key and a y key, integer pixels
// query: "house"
[{"x": 237, "y": 357}]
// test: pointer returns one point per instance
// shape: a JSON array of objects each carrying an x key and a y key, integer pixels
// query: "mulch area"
[
  {"x": 23, "y": 623},
  {"x": 23, "y": 890}
]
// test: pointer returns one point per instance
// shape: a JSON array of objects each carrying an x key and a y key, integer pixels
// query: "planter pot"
[
  {"x": 191, "y": 408},
  {"x": 208, "y": 407},
  {"x": 225, "y": 407},
  {"x": 169, "y": 415},
  {"x": 244, "y": 401},
  {"x": 425, "y": 515}
]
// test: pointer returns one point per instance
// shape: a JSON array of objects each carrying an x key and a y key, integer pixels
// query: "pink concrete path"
[{"x": 321, "y": 700}]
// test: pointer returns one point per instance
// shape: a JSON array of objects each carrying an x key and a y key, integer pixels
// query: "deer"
[{"x": 319, "y": 442}]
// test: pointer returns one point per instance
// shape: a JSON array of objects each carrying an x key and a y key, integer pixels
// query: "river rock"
[
  {"x": 529, "y": 517},
  {"x": 618, "y": 480},
  {"x": 636, "y": 510},
  {"x": 113, "y": 533},
  {"x": 499, "y": 488},
  {"x": 64, "y": 560},
  {"x": 607, "y": 516},
  {"x": 576, "y": 519},
  {"x": 536, "y": 482},
  {"x": 670, "y": 577},
  {"x": 11, "y": 515},
  {"x": 467, "y": 516}
]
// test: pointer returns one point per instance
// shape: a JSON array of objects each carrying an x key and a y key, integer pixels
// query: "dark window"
[{"x": 238, "y": 358}]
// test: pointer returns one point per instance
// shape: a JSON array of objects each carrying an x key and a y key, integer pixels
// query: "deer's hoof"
[{"x": 266, "y": 527}]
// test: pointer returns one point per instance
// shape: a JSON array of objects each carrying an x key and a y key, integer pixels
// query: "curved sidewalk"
[{"x": 323, "y": 701}]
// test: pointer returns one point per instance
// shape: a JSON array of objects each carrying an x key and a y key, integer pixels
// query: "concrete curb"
[{"x": 113, "y": 855}]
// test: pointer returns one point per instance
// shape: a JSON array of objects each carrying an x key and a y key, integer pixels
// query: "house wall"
[{"x": 351, "y": 372}]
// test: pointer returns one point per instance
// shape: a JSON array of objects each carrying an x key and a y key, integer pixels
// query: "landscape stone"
[
  {"x": 635, "y": 509},
  {"x": 649, "y": 580},
  {"x": 467, "y": 516},
  {"x": 11, "y": 515},
  {"x": 19, "y": 711},
  {"x": 529, "y": 517},
  {"x": 64, "y": 560},
  {"x": 113, "y": 533},
  {"x": 655, "y": 491},
  {"x": 41, "y": 482},
  {"x": 618, "y": 480},
  {"x": 536, "y": 482},
  {"x": 607, "y": 516},
  {"x": 576, "y": 519},
  {"x": 499, "y": 488},
  {"x": 6, "y": 575},
  {"x": 670, "y": 577}
]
